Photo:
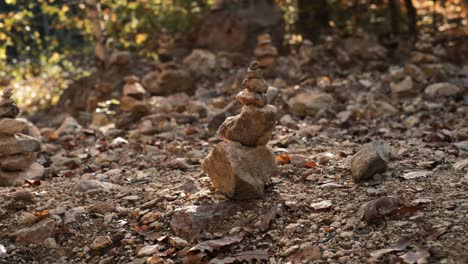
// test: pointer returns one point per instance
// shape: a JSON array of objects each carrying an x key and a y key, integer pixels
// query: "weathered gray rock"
[
  {"x": 247, "y": 97},
  {"x": 13, "y": 178},
  {"x": 461, "y": 134},
  {"x": 68, "y": 126},
  {"x": 10, "y": 145},
  {"x": 11, "y": 126},
  {"x": 200, "y": 62},
  {"x": 252, "y": 127},
  {"x": 371, "y": 159},
  {"x": 191, "y": 221},
  {"x": 402, "y": 87},
  {"x": 171, "y": 81},
  {"x": 35, "y": 234},
  {"x": 17, "y": 162},
  {"x": 240, "y": 172},
  {"x": 415, "y": 72},
  {"x": 443, "y": 89},
  {"x": 309, "y": 103}
]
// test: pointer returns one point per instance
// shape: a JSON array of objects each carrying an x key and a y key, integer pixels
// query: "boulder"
[
  {"x": 200, "y": 63},
  {"x": 370, "y": 160},
  {"x": 442, "y": 89},
  {"x": 252, "y": 127},
  {"x": 35, "y": 234},
  {"x": 309, "y": 103},
  {"x": 238, "y": 171},
  {"x": 11, "y": 126},
  {"x": 189, "y": 222},
  {"x": 172, "y": 81},
  {"x": 18, "y": 144}
]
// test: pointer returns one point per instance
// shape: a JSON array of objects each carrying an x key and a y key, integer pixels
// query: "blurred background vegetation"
[{"x": 47, "y": 44}]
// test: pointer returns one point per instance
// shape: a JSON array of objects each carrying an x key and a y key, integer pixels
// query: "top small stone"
[
  {"x": 8, "y": 107},
  {"x": 254, "y": 71}
]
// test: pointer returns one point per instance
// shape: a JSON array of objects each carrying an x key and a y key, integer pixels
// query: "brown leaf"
[
  {"x": 400, "y": 245},
  {"x": 194, "y": 258},
  {"x": 215, "y": 244},
  {"x": 144, "y": 231},
  {"x": 282, "y": 159},
  {"x": 247, "y": 256},
  {"x": 310, "y": 164},
  {"x": 41, "y": 214},
  {"x": 419, "y": 256},
  {"x": 31, "y": 183},
  {"x": 276, "y": 210},
  {"x": 308, "y": 253}
]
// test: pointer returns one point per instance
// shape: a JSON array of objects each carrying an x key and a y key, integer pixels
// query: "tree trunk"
[
  {"x": 411, "y": 16},
  {"x": 314, "y": 16},
  {"x": 94, "y": 16},
  {"x": 395, "y": 16}
]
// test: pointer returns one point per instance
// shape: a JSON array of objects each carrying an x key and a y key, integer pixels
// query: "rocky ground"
[{"x": 138, "y": 195}]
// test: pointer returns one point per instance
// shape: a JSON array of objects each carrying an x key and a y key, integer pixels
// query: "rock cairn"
[
  {"x": 134, "y": 96},
  {"x": 17, "y": 151},
  {"x": 171, "y": 79},
  {"x": 241, "y": 165},
  {"x": 265, "y": 53}
]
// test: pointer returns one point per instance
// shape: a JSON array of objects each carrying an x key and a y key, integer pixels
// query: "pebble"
[{"x": 101, "y": 242}]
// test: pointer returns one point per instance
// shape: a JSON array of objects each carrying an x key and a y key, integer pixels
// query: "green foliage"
[{"x": 41, "y": 39}]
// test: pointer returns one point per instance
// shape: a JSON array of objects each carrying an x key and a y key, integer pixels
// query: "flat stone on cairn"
[
  {"x": 17, "y": 151},
  {"x": 241, "y": 165}
]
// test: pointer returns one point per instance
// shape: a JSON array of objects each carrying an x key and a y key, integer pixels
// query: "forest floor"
[{"x": 108, "y": 197}]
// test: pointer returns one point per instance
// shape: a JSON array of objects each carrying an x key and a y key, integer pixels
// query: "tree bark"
[
  {"x": 411, "y": 16},
  {"x": 395, "y": 16},
  {"x": 94, "y": 16},
  {"x": 314, "y": 16}
]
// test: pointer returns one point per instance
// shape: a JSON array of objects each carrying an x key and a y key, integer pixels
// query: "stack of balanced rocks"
[
  {"x": 241, "y": 165},
  {"x": 265, "y": 53},
  {"x": 17, "y": 151}
]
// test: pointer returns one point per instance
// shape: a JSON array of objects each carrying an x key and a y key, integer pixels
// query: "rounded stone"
[
  {"x": 255, "y": 85},
  {"x": 247, "y": 97}
]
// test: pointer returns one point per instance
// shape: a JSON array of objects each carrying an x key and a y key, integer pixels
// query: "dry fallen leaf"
[
  {"x": 308, "y": 253},
  {"x": 416, "y": 174},
  {"x": 400, "y": 245},
  {"x": 3, "y": 251},
  {"x": 194, "y": 258},
  {"x": 41, "y": 214},
  {"x": 419, "y": 256},
  {"x": 215, "y": 244},
  {"x": 322, "y": 205},
  {"x": 310, "y": 164},
  {"x": 461, "y": 164},
  {"x": 247, "y": 256},
  {"x": 282, "y": 159},
  {"x": 276, "y": 210}
]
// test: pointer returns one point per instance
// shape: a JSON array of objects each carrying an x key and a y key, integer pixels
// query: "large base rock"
[
  {"x": 252, "y": 127},
  {"x": 17, "y": 177},
  {"x": 240, "y": 172},
  {"x": 371, "y": 159}
]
